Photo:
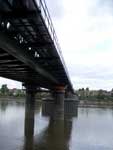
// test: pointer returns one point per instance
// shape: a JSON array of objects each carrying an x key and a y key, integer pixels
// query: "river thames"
[{"x": 34, "y": 128}]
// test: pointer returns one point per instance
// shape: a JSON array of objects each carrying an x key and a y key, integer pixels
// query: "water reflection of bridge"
[
  {"x": 55, "y": 136},
  {"x": 43, "y": 129}
]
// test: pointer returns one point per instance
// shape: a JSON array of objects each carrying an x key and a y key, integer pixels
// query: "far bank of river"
[
  {"x": 82, "y": 103},
  {"x": 96, "y": 103},
  {"x": 17, "y": 98}
]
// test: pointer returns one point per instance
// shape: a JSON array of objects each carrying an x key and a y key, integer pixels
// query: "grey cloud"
[
  {"x": 101, "y": 7},
  {"x": 91, "y": 72},
  {"x": 98, "y": 75},
  {"x": 105, "y": 3},
  {"x": 56, "y": 8}
]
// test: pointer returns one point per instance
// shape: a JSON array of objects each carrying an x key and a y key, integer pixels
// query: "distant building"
[{"x": 94, "y": 93}]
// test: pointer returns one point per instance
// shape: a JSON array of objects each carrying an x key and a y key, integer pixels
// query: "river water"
[{"x": 34, "y": 128}]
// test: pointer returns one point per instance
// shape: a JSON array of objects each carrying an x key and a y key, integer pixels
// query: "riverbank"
[
  {"x": 96, "y": 103},
  {"x": 13, "y": 98},
  {"x": 80, "y": 103}
]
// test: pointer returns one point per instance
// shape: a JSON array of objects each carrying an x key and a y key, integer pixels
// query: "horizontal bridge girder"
[
  {"x": 13, "y": 65},
  {"x": 12, "y": 69},
  {"x": 6, "y": 57},
  {"x": 3, "y": 55},
  {"x": 47, "y": 59},
  {"x": 15, "y": 14},
  {"x": 13, "y": 72},
  {"x": 7, "y": 61},
  {"x": 38, "y": 44}
]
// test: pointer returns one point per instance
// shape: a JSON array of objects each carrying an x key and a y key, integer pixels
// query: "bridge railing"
[{"x": 46, "y": 16}]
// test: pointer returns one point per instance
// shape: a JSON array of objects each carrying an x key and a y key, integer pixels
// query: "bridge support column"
[
  {"x": 69, "y": 94},
  {"x": 31, "y": 91},
  {"x": 58, "y": 95},
  {"x": 29, "y": 109},
  {"x": 29, "y": 123}
]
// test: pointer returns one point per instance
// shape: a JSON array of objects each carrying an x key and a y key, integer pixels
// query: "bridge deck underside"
[
  {"x": 27, "y": 30},
  {"x": 14, "y": 69}
]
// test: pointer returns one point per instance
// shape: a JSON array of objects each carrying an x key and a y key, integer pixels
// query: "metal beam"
[
  {"x": 4, "y": 55},
  {"x": 15, "y": 14},
  {"x": 37, "y": 45},
  {"x": 7, "y": 61},
  {"x": 12, "y": 64}
]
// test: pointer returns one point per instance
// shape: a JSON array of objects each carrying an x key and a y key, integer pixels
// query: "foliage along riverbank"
[{"x": 96, "y": 103}]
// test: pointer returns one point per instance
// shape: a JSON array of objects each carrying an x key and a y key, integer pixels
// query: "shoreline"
[
  {"x": 96, "y": 103},
  {"x": 81, "y": 103}
]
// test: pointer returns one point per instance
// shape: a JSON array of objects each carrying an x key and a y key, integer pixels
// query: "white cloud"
[
  {"x": 86, "y": 38},
  {"x": 56, "y": 9},
  {"x": 10, "y": 83}
]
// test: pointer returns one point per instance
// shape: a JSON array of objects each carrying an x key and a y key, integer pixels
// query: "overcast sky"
[{"x": 85, "y": 32}]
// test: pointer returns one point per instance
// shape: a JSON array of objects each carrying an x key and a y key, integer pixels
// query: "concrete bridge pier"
[
  {"x": 68, "y": 94},
  {"x": 29, "y": 109},
  {"x": 31, "y": 91},
  {"x": 29, "y": 125},
  {"x": 58, "y": 96}
]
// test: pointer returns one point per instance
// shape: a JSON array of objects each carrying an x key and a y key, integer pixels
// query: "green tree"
[
  {"x": 81, "y": 93},
  {"x": 4, "y": 89},
  {"x": 112, "y": 93},
  {"x": 100, "y": 94},
  {"x": 87, "y": 92}
]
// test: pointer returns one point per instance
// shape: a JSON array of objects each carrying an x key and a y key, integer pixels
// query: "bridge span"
[{"x": 29, "y": 48}]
